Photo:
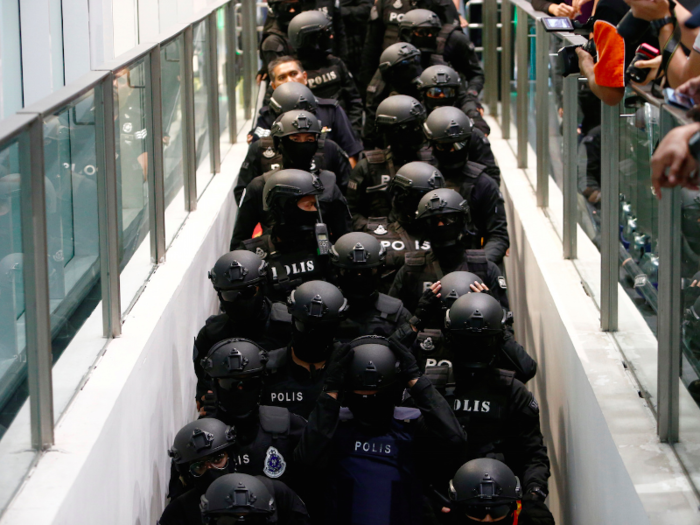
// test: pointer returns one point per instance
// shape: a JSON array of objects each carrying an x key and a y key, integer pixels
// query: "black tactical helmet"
[
  {"x": 439, "y": 87},
  {"x": 455, "y": 285},
  {"x": 293, "y": 95},
  {"x": 476, "y": 314},
  {"x": 420, "y": 28},
  {"x": 398, "y": 110},
  {"x": 201, "y": 438},
  {"x": 239, "y": 495},
  {"x": 316, "y": 302},
  {"x": 448, "y": 125},
  {"x": 374, "y": 366},
  {"x": 485, "y": 486},
  {"x": 289, "y": 184},
  {"x": 440, "y": 202},
  {"x": 236, "y": 270},
  {"x": 310, "y": 30},
  {"x": 295, "y": 121},
  {"x": 416, "y": 177},
  {"x": 444, "y": 217},
  {"x": 281, "y": 9},
  {"x": 397, "y": 53},
  {"x": 235, "y": 358},
  {"x": 358, "y": 250}
]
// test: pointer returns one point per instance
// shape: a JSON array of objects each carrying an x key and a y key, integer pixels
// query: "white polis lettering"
[
  {"x": 377, "y": 448},
  {"x": 386, "y": 179},
  {"x": 426, "y": 285},
  {"x": 397, "y": 246},
  {"x": 243, "y": 460},
  {"x": 471, "y": 405},
  {"x": 396, "y": 17},
  {"x": 286, "y": 397},
  {"x": 322, "y": 79},
  {"x": 300, "y": 267},
  {"x": 435, "y": 362},
  {"x": 424, "y": 246}
]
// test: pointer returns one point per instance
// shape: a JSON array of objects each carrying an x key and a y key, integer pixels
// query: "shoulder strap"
[
  {"x": 275, "y": 420},
  {"x": 445, "y": 32},
  {"x": 477, "y": 263},
  {"x": 328, "y": 179},
  {"x": 276, "y": 359},
  {"x": 375, "y": 156},
  {"x": 267, "y": 142},
  {"x": 505, "y": 377},
  {"x": 389, "y": 307},
  {"x": 415, "y": 259},
  {"x": 259, "y": 245},
  {"x": 474, "y": 169}
]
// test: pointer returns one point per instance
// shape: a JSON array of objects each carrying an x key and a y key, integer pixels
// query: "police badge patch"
[
  {"x": 274, "y": 463},
  {"x": 381, "y": 230},
  {"x": 397, "y": 4},
  {"x": 269, "y": 153},
  {"x": 502, "y": 282},
  {"x": 428, "y": 345},
  {"x": 260, "y": 252},
  {"x": 534, "y": 406}
]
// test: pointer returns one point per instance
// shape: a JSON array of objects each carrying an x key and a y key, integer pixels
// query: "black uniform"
[
  {"x": 271, "y": 330},
  {"x": 380, "y": 315},
  {"x": 377, "y": 91},
  {"x": 355, "y": 15},
  {"x": 488, "y": 213},
  {"x": 381, "y": 471},
  {"x": 262, "y": 157},
  {"x": 250, "y": 211},
  {"x": 332, "y": 118},
  {"x": 274, "y": 43},
  {"x": 383, "y": 28}
]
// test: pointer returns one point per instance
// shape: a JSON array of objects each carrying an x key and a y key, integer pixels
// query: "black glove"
[
  {"x": 210, "y": 404},
  {"x": 535, "y": 512},
  {"x": 337, "y": 368},
  {"x": 428, "y": 304},
  {"x": 409, "y": 366},
  {"x": 479, "y": 121}
]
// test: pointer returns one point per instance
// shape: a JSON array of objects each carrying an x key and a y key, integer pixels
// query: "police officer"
[
  {"x": 482, "y": 490},
  {"x": 296, "y": 373},
  {"x": 327, "y": 75},
  {"x": 355, "y": 15},
  {"x": 449, "y": 131},
  {"x": 498, "y": 413},
  {"x": 240, "y": 280},
  {"x": 288, "y": 78},
  {"x": 358, "y": 259},
  {"x": 369, "y": 453},
  {"x": 263, "y": 155},
  {"x": 242, "y": 498},
  {"x": 443, "y": 217},
  {"x": 297, "y": 245},
  {"x": 274, "y": 42},
  {"x": 296, "y": 136},
  {"x": 202, "y": 451},
  {"x": 447, "y": 45},
  {"x": 383, "y": 29}
]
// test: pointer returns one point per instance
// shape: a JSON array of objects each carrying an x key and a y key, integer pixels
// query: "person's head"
[
  {"x": 399, "y": 120},
  {"x": 239, "y": 278},
  {"x": 443, "y": 215},
  {"x": 285, "y": 10},
  {"x": 202, "y": 451},
  {"x": 373, "y": 389},
  {"x": 290, "y": 195},
  {"x": 455, "y": 285},
  {"x": 485, "y": 490},
  {"x": 295, "y": 135},
  {"x": 411, "y": 182},
  {"x": 285, "y": 70},
  {"x": 237, "y": 499},
  {"x": 358, "y": 259},
  {"x": 420, "y": 28},
  {"x": 237, "y": 367},
  {"x": 473, "y": 331},
  {"x": 400, "y": 67},
  {"x": 311, "y": 34},
  {"x": 317, "y": 307},
  {"x": 449, "y": 132},
  {"x": 439, "y": 86}
]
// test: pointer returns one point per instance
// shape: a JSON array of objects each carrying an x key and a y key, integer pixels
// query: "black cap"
[
  {"x": 448, "y": 124},
  {"x": 397, "y": 53},
  {"x": 305, "y": 28},
  {"x": 441, "y": 202},
  {"x": 485, "y": 482},
  {"x": 295, "y": 121}
]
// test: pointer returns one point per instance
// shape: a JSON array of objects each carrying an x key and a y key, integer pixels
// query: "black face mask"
[
  {"x": 297, "y": 155},
  {"x": 404, "y": 205},
  {"x": 403, "y": 77},
  {"x": 375, "y": 412},
  {"x": 202, "y": 482},
  {"x": 471, "y": 351},
  {"x": 283, "y": 13},
  {"x": 243, "y": 519},
  {"x": 313, "y": 344},
  {"x": 405, "y": 140},
  {"x": 240, "y": 398},
  {"x": 358, "y": 284},
  {"x": 425, "y": 44},
  {"x": 451, "y": 160},
  {"x": 449, "y": 234},
  {"x": 243, "y": 308}
]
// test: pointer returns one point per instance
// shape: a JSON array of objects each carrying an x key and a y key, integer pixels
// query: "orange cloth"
[
  {"x": 610, "y": 68},
  {"x": 257, "y": 232}
]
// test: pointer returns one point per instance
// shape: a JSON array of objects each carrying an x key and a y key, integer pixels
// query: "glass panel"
[
  {"x": 239, "y": 77},
  {"x": 555, "y": 114},
  {"x": 11, "y": 85},
  {"x": 513, "y": 141},
  {"x": 222, "y": 59},
  {"x": 16, "y": 454},
  {"x": 132, "y": 104},
  {"x": 171, "y": 70},
  {"x": 531, "y": 171},
  {"x": 201, "y": 103},
  {"x": 70, "y": 164}
]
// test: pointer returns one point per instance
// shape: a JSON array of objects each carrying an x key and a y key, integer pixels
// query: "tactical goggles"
[
  {"x": 424, "y": 32},
  {"x": 244, "y": 294},
  {"x": 446, "y": 220},
  {"x": 235, "y": 383},
  {"x": 479, "y": 512},
  {"x": 241, "y": 518},
  {"x": 441, "y": 92},
  {"x": 218, "y": 462},
  {"x": 450, "y": 146}
]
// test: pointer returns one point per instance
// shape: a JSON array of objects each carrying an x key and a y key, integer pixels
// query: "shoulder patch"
[
  {"x": 375, "y": 156},
  {"x": 533, "y": 405},
  {"x": 502, "y": 282},
  {"x": 415, "y": 259}
]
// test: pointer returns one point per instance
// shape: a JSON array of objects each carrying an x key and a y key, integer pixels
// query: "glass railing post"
[
  {"x": 248, "y": 16},
  {"x": 522, "y": 45},
  {"x": 542, "y": 110},
  {"x": 213, "y": 106},
  {"x": 36, "y": 284},
  {"x": 570, "y": 139},
  {"x": 506, "y": 72},
  {"x": 490, "y": 55},
  {"x": 190, "y": 153},
  {"x": 231, "y": 80},
  {"x": 107, "y": 217},
  {"x": 610, "y": 216}
]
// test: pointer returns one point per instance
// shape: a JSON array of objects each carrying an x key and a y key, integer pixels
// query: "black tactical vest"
[
  {"x": 325, "y": 81},
  {"x": 381, "y": 319}
]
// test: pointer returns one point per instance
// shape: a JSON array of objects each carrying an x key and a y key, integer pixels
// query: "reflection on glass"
[
  {"x": 238, "y": 75},
  {"x": 555, "y": 113},
  {"x": 532, "y": 86},
  {"x": 171, "y": 70},
  {"x": 201, "y": 101},
  {"x": 132, "y": 103},
  {"x": 513, "y": 141},
  {"x": 222, "y": 59},
  {"x": 15, "y": 447}
]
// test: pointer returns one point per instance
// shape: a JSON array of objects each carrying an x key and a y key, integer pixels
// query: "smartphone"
[
  {"x": 677, "y": 99},
  {"x": 557, "y": 24}
]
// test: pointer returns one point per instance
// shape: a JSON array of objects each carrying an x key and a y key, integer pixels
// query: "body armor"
[{"x": 382, "y": 317}]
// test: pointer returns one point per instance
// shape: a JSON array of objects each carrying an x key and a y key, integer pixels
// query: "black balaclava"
[
  {"x": 313, "y": 344},
  {"x": 359, "y": 284},
  {"x": 243, "y": 308},
  {"x": 296, "y": 224},
  {"x": 202, "y": 482},
  {"x": 404, "y": 140},
  {"x": 461, "y": 515},
  {"x": 450, "y": 161},
  {"x": 374, "y": 413},
  {"x": 445, "y": 236},
  {"x": 297, "y": 155},
  {"x": 283, "y": 14},
  {"x": 404, "y": 77},
  {"x": 471, "y": 351},
  {"x": 239, "y": 398}
]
